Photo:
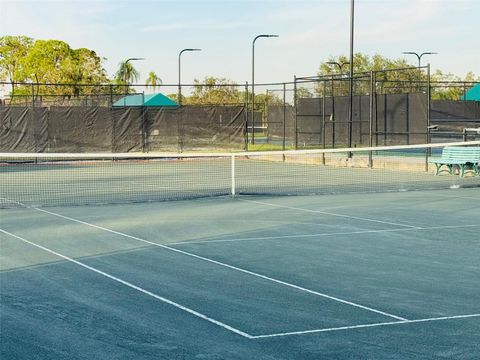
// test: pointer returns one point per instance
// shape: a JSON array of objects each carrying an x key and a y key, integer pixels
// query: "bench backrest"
[{"x": 461, "y": 153}]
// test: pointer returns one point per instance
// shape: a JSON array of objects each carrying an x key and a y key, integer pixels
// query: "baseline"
[{"x": 365, "y": 326}]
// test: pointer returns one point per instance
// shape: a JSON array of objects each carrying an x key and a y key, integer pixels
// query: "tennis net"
[{"x": 48, "y": 179}]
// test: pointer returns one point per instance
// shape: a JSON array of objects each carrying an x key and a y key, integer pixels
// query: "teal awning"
[
  {"x": 145, "y": 100},
  {"x": 473, "y": 93}
]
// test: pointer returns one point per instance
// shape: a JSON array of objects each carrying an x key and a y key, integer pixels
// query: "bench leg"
[{"x": 451, "y": 169}]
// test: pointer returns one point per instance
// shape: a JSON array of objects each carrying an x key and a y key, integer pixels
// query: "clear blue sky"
[{"x": 310, "y": 31}]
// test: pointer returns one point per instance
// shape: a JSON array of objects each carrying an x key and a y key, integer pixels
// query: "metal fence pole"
[
  {"x": 111, "y": 94},
  {"x": 284, "y": 115},
  {"x": 323, "y": 120},
  {"x": 407, "y": 115},
  {"x": 246, "y": 116},
  {"x": 427, "y": 152},
  {"x": 333, "y": 114},
  {"x": 34, "y": 125},
  {"x": 371, "y": 114},
  {"x": 143, "y": 110},
  {"x": 265, "y": 117},
  {"x": 295, "y": 105}
]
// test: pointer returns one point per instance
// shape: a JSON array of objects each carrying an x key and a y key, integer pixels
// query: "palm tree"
[
  {"x": 126, "y": 73},
  {"x": 153, "y": 80}
]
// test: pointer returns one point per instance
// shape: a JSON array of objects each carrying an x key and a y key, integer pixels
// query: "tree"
[
  {"x": 13, "y": 50},
  {"x": 303, "y": 92},
  {"x": 84, "y": 66},
  {"x": 50, "y": 61},
  {"x": 390, "y": 79},
  {"x": 126, "y": 73},
  {"x": 153, "y": 80},
  {"x": 451, "y": 87},
  {"x": 216, "y": 91}
]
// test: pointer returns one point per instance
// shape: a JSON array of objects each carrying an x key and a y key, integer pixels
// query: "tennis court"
[{"x": 94, "y": 264}]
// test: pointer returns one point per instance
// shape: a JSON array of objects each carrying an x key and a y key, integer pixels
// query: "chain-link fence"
[{"x": 388, "y": 107}]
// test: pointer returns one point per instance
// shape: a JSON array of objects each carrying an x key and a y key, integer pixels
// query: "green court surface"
[{"x": 391, "y": 275}]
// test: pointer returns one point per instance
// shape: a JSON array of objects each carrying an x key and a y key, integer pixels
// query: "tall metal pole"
[
  {"x": 340, "y": 66},
  {"x": 419, "y": 58},
  {"x": 179, "y": 73},
  {"x": 253, "y": 80},
  {"x": 350, "y": 105},
  {"x": 125, "y": 76}
]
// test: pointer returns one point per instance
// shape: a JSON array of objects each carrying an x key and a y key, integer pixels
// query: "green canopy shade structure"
[
  {"x": 473, "y": 93},
  {"x": 145, "y": 100}
]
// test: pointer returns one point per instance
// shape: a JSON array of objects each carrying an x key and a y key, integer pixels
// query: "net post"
[{"x": 233, "y": 190}]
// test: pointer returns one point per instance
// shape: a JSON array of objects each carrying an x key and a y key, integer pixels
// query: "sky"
[{"x": 309, "y": 32}]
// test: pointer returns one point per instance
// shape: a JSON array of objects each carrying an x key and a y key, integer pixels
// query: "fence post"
[
  {"x": 265, "y": 117},
  {"x": 111, "y": 95},
  {"x": 371, "y": 114},
  {"x": 284, "y": 115},
  {"x": 333, "y": 114},
  {"x": 143, "y": 111},
  {"x": 233, "y": 190},
  {"x": 295, "y": 105},
  {"x": 427, "y": 152},
  {"x": 34, "y": 124},
  {"x": 246, "y": 116}
]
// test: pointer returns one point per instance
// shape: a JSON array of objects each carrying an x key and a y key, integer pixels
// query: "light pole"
[
  {"x": 125, "y": 76},
  {"x": 179, "y": 73},
  {"x": 339, "y": 65},
  {"x": 125, "y": 66},
  {"x": 253, "y": 80},
  {"x": 419, "y": 56}
]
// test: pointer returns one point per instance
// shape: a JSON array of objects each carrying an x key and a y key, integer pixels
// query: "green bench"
[{"x": 462, "y": 157}]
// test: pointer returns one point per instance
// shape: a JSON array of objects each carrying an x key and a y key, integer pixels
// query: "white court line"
[
  {"x": 456, "y": 197},
  {"x": 226, "y": 265},
  {"x": 330, "y": 214},
  {"x": 135, "y": 287},
  {"x": 281, "y": 237},
  {"x": 364, "y": 326}
]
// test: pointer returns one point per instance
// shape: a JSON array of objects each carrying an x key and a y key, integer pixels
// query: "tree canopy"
[
  {"x": 214, "y": 90},
  {"x": 153, "y": 80},
  {"x": 49, "y": 61},
  {"x": 26, "y": 60}
]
